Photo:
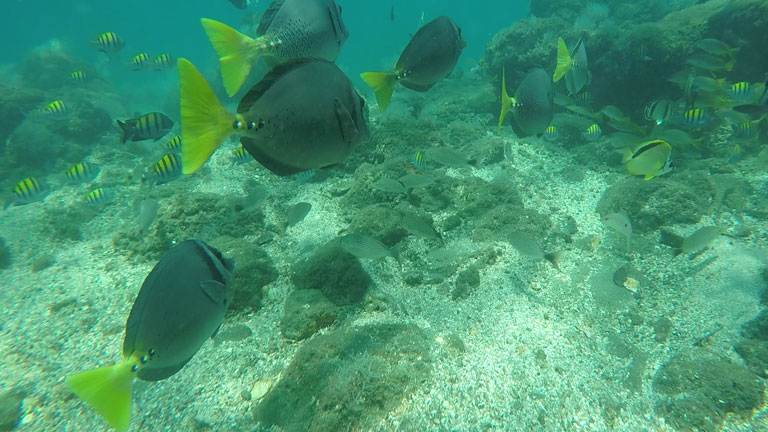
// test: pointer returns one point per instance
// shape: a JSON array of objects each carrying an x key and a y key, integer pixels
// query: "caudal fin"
[
  {"x": 108, "y": 391},
  {"x": 126, "y": 131},
  {"x": 205, "y": 123},
  {"x": 506, "y": 101},
  {"x": 236, "y": 51},
  {"x": 383, "y": 84},
  {"x": 564, "y": 61}
]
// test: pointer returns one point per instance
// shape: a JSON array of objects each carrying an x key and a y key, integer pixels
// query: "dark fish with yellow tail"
[
  {"x": 165, "y": 170},
  {"x": 108, "y": 43},
  {"x": 140, "y": 61},
  {"x": 27, "y": 191},
  {"x": 289, "y": 29},
  {"x": 648, "y": 159},
  {"x": 152, "y": 126},
  {"x": 429, "y": 57},
  {"x": 304, "y": 114},
  {"x": 179, "y": 306},
  {"x": 573, "y": 66},
  {"x": 533, "y": 104},
  {"x": 81, "y": 172}
]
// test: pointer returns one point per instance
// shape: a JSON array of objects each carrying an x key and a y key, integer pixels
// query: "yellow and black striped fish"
[
  {"x": 109, "y": 42},
  {"x": 593, "y": 132},
  {"x": 168, "y": 168},
  {"x": 741, "y": 90},
  {"x": 78, "y": 76},
  {"x": 27, "y": 191},
  {"x": 174, "y": 144},
  {"x": 99, "y": 196},
  {"x": 57, "y": 108},
  {"x": 164, "y": 62},
  {"x": 694, "y": 117},
  {"x": 152, "y": 126},
  {"x": 241, "y": 155},
  {"x": 81, "y": 172},
  {"x": 140, "y": 61}
]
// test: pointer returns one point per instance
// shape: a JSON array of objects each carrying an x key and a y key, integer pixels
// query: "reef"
[{"x": 305, "y": 312}]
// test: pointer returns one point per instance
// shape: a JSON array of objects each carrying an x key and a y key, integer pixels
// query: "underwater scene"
[{"x": 338, "y": 215}]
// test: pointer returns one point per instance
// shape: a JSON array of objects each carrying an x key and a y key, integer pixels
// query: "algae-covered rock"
[
  {"x": 5, "y": 254},
  {"x": 305, "y": 312},
  {"x": 15, "y": 103},
  {"x": 336, "y": 273},
  {"x": 754, "y": 347},
  {"x": 10, "y": 408},
  {"x": 347, "y": 379},
  {"x": 701, "y": 388},
  {"x": 466, "y": 282},
  {"x": 380, "y": 222},
  {"x": 254, "y": 270}
]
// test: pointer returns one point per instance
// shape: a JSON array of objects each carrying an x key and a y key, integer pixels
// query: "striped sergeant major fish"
[
  {"x": 81, "y": 172},
  {"x": 27, "y": 191},
  {"x": 99, "y": 196},
  {"x": 152, "y": 126},
  {"x": 78, "y": 76},
  {"x": 174, "y": 144},
  {"x": 140, "y": 61},
  {"x": 164, "y": 62},
  {"x": 56, "y": 108},
  {"x": 109, "y": 43},
  {"x": 167, "y": 169}
]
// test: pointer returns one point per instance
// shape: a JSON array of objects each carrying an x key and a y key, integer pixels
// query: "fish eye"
[
  {"x": 134, "y": 368},
  {"x": 251, "y": 125},
  {"x": 237, "y": 124}
]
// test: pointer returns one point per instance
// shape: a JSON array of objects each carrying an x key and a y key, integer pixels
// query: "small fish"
[
  {"x": 430, "y": 56},
  {"x": 109, "y": 43},
  {"x": 240, "y": 156},
  {"x": 305, "y": 176},
  {"x": 551, "y": 133},
  {"x": 78, "y": 76},
  {"x": 700, "y": 239},
  {"x": 613, "y": 113},
  {"x": 81, "y": 172},
  {"x": 419, "y": 227},
  {"x": 392, "y": 13},
  {"x": 56, "y": 108},
  {"x": 418, "y": 162},
  {"x": 180, "y": 305},
  {"x": 27, "y": 191},
  {"x": 592, "y": 133},
  {"x": 363, "y": 246},
  {"x": 584, "y": 98},
  {"x": 447, "y": 156},
  {"x": 642, "y": 52},
  {"x": 620, "y": 223},
  {"x": 709, "y": 85},
  {"x": 414, "y": 181},
  {"x": 658, "y": 111},
  {"x": 716, "y": 48},
  {"x": 140, "y": 61},
  {"x": 174, "y": 144},
  {"x": 145, "y": 214},
  {"x": 648, "y": 159},
  {"x": 533, "y": 104},
  {"x": 297, "y": 213},
  {"x": 389, "y": 185},
  {"x": 735, "y": 154},
  {"x": 167, "y": 169},
  {"x": 694, "y": 117},
  {"x": 152, "y": 126},
  {"x": 531, "y": 250},
  {"x": 742, "y": 91},
  {"x": 99, "y": 196},
  {"x": 164, "y": 62},
  {"x": 746, "y": 129},
  {"x": 506, "y": 148},
  {"x": 709, "y": 63}
]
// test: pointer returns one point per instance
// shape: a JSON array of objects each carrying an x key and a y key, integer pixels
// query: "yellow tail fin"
[
  {"x": 205, "y": 123},
  {"x": 383, "y": 84},
  {"x": 237, "y": 52},
  {"x": 108, "y": 391},
  {"x": 506, "y": 101},
  {"x": 564, "y": 61}
]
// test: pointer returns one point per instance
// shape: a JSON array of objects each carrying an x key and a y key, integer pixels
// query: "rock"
[
  {"x": 466, "y": 283},
  {"x": 305, "y": 312},
  {"x": 5, "y": 254},
  {"x": 336, "y": 273},
  {"x": 10, "y": 408}
]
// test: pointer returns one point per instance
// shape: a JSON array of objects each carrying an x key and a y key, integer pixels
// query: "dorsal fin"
[{"x": 268, "y": 16}]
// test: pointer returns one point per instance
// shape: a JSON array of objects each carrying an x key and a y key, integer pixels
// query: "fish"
[
  {"x": 430, "y": 56},
  {"x": 27, "y": 191},
  {"x": 746, "y": 129},
  {"x": 418, "y": 162},
  {"x": 99, "y": 196},
  {"x": 413, "y": 181},
  {"x": 620, "y": 223},
  {"x": 735, "y": 155},
  {"x": 174, "y": 144},
  {"x": 389, "y": 185},
  {"x": 700, "y": 239},
  {"x": 167, "y": 169},
  {"x": 240, "y": 156},
  {"x": 533, "y": 104},
  {"x": 363, "y": 246},
  {"x": 392, "y": 13},
  {"x": 694, "y": 117},
  {"x": 613, "y": 113},
  {"x": 109, "y": 43},
  {"x": 419, "y": 227},
  {"x": 240, "y": 4},
  {"x": 593, "y": 132},
  {"x": 304, "y": 114},
  {"x": 574, "y": 66},
  {"x": 163, "y": 62},
  {"x": 709, "y": 63},
  {"x": 528, "y": 247},
  {"x": 305, "y": 176},
  {"x": 709, "y": 85},
  {"x": 56, "y": 108},
  {"x": 741, "y": 91},
  {"x": 551, "y": 134},
  {"x": 81, "y": 172},
  {"x": 658, "y": 111},
  {"x": 145, "y": 214},
  {"x": 584, "y": 98},
  {"x": 642, "y": 52},
  {"x": 716, "y": 47},
  {"x": 447, "y": 156},
  {"x": 79, "y": 76},
  {"x": 180, "y": 304},
  {"x": 289, "y": 29},
  {"x": 648, "y": 159},
  {"x": 154, "y": 126},
  {"x": 140, "y": 61},
  {"x": 297, "y": 213}
]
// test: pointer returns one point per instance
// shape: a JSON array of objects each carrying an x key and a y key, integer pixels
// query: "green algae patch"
[
  {"x": 700, "y": 389},
  {"x": 336, "y": 273},
  {"x": 347, "y": 379}
]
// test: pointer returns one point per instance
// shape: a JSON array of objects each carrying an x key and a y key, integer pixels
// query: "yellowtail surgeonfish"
[
  {"x": 109, "y": 43},
  {"x": 81, "y": 172},
  {"x": 288, "y": 29},
  {"x": 304, "y": 114},
  {"x": 27, "y": 191},
  {"x": 152, "y": 126},
  {"x": 533, "y": 104},
  {"x": 648, "y": 159},
  {"x": 180, "y": 304},
  {"x": 430, "y": 56},
  {"x": 574, "y": 66}
]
